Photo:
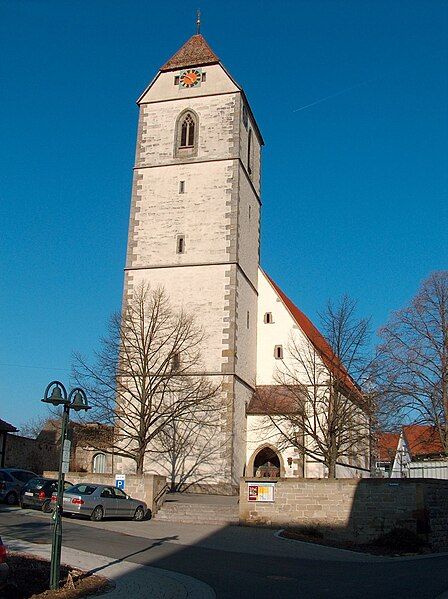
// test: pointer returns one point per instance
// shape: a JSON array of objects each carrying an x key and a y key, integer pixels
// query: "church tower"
[{"x": 194, "y": 221}]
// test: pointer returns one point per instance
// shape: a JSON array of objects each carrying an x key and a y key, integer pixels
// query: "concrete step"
[
  {"x": 206, "y": 522},
  {"x": 195, "y": 510},
  {"x": 181, "y": 510},
  {"x": 195, "y": 519}
]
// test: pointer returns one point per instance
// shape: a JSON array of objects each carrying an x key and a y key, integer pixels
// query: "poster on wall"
[{"x": 261, "y": 491}]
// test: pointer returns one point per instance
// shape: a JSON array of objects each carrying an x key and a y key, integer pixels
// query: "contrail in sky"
[{"x": 343, "y": 91}]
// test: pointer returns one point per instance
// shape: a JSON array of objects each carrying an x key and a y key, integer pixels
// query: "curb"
[
  {"x": 278, "y": 534},
  {"x": 403, "y": 558}
]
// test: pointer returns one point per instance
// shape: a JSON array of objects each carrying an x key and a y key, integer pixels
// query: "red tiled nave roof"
[{"x": 274, "y": 399}]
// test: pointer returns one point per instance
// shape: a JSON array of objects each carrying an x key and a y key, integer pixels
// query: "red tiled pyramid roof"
[
  {"x": 319, "y": 342},
  {"x": 195, "y": 52},
  {"x": 423, "y": 440}
]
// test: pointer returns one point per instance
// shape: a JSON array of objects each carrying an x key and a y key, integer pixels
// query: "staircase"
[{"x": 198, "y": 509}]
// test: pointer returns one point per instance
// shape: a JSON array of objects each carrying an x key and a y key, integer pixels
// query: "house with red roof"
[
  {"x": 416, "y": 451},
  {"x": 385, "y": 450},
  {"x": 420, "y": 453}
]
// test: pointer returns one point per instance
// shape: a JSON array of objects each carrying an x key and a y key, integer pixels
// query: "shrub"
[
  {"x": 400, "y": 539},
  {"x": 309, "y": 530}
]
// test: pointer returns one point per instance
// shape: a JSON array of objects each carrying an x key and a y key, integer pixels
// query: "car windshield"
[{"x": 82, "y": 489}]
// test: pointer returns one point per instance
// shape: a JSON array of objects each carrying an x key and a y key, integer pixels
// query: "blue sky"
[{"x": 354, "y": 187}]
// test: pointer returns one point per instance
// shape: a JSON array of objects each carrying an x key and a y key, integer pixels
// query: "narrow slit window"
[
  {"x": 181, "y": 186},
  {"x": 249, "y": 212},
  {"x": 278, "y": 352},
  {"x": 176, "y": 79},
  {"x": 245, "y": 117},
  {"x": 268, "y": 318},
  {"x": 249, "y": 152},
  {"x": 204, "y": 77},
  {"x": 248, "y": 319},
  {"x": 175, "y": 362},
  {"x": 180, "y": 244}
]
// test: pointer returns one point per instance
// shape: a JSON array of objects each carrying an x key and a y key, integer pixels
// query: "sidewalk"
[{"x": 130, "y": 579}]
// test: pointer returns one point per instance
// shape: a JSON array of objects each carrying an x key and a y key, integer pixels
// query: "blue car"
[{"x": 11, "y": 482}]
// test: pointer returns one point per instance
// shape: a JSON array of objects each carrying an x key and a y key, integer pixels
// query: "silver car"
[{"x": 101, "y": 501}]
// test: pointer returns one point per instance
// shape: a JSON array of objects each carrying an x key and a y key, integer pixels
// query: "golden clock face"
[{"x": 190, "y": 78}]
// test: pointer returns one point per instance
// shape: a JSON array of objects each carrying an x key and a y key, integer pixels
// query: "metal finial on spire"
[{"x": 198, "y": 22}]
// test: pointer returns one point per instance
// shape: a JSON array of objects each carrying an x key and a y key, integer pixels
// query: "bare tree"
[
  {"x": 188, "y": 451},
  {"x": 34, "y": 426},
  {"x": 315, "y": 405},
  {"x": 413, "y": 360},
  {"x": 146, "y": 375}
]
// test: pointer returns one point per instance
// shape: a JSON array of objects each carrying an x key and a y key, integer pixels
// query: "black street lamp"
[{"x": 75, "y": 400}]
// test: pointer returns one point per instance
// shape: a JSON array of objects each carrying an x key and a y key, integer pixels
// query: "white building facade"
[{"x": 194, "y": 229}]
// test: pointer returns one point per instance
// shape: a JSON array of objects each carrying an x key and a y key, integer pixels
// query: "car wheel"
[
  {"x": 46, "y": 507},
  {"x": 11, "y": 498},
  {"x": 139, "y": 514},
  {"x": 97, "y": 514}
]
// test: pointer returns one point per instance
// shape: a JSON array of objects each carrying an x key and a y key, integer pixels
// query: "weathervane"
[{"x": 198, "y": 22}]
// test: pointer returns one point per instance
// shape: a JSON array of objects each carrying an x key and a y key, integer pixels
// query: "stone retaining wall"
[
  {"x": 147, "y": 487},
  {"x": 30, "y": 454},
  {"x": 358, "y": 510}
]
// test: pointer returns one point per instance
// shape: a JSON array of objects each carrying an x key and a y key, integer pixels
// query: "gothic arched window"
[{"x": 186, "y": 134}]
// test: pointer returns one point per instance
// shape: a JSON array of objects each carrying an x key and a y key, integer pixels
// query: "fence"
[{"x": 433, "y": 469}]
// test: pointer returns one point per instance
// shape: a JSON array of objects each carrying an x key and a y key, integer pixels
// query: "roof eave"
[{"x": 190, "y": 66}]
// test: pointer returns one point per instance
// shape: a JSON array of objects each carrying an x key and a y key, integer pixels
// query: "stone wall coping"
[
  {"x": 54, "y": 474},
  {"x": 349, "y": 481}
]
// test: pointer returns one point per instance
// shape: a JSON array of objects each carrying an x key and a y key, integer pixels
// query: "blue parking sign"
[{"x": 120, "y": 481}]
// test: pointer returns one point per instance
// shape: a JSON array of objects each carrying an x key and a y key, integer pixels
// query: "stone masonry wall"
[
  {"x": 356, "y": 510},
  {"x": 30, "y": 454},
  {"x": 435, "y": 508}
]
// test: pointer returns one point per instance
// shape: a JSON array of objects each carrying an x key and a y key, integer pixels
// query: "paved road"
[{"x": 240, "y": 562}]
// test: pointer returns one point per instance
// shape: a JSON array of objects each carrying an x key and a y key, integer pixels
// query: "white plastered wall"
[
  {"x": 163, "y": 86},
  {"x": 201, "y": 213},
  {"x": 280, "y": 332}
]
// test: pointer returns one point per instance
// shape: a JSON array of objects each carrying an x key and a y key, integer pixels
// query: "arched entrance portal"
[{"x": 267, "y": 463}]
